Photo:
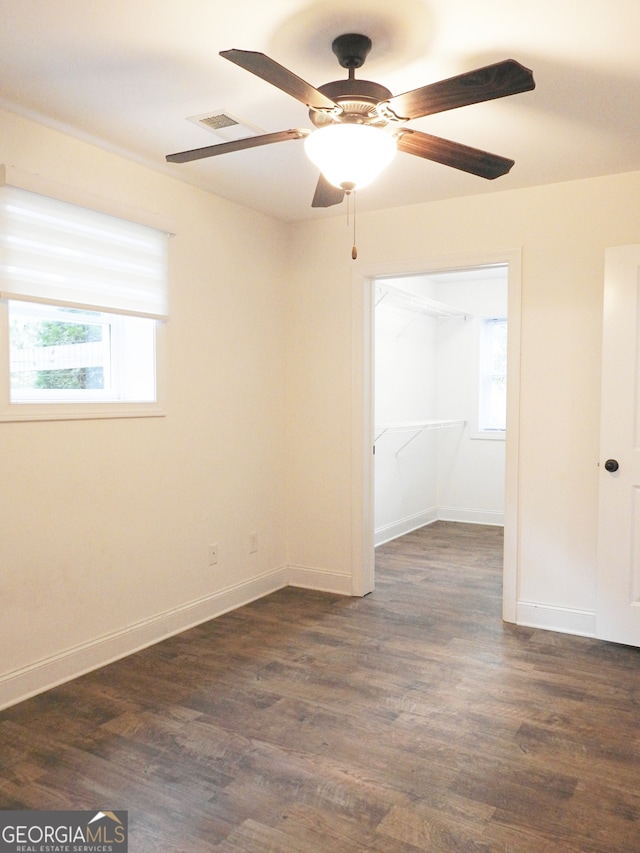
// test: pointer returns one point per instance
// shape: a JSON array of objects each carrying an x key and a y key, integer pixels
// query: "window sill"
[
  {"x": 78, "y": 411},
  {"x": 489, "y": 435}
]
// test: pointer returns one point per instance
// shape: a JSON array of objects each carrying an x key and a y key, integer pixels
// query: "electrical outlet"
[
  {"x": 253, "y": 543},
  {"x": 213, "y": 554}
]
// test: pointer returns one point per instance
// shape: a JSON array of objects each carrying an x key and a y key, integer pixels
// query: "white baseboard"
[
  {"x": 404, "y": 525},
  {"x": 441, "y": 513},
  {"x": 45, "y": 674},
  {"x": 305, "y": 577},
  {"x": 471, "y": 516},
  {"x": 562, "y": 619}
]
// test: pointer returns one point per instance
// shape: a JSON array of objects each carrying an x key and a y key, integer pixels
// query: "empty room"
[{"x": 246, "y": 605}]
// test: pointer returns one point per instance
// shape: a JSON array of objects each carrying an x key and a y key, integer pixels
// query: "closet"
[{"x": 433, "y": 459}]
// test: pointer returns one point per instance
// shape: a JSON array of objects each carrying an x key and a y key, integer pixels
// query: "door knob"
[{"x": 611, "y": 465}]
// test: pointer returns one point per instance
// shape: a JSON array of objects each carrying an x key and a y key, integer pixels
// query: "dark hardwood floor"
[{"x": 409, "y": 720}]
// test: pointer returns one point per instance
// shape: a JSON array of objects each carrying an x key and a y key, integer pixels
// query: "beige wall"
[
  {"x": 562, "y": 230},
  {"x": 105, "y": 524}
]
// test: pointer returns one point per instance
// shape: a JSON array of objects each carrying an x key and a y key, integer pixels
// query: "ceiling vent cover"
[
  {"x": 225, "y": 125},
  {"x": 218, "y": 121}
]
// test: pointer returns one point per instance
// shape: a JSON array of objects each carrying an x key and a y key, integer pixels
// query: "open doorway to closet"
[
  {"x": 440, "y": 398},
  {"x": 364, "y": 434}
]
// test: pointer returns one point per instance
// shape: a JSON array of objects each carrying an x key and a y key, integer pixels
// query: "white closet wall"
[
  {"x": 405, "y": 365},
  {"x": 430, "y": 461}
]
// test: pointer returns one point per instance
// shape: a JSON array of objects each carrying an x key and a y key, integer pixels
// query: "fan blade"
[
  {"x": 326, "y": 194},
  {"x": 280, "y": 77},
  {"x": 236, "y": 145},
  {"x": 473, "y": 87},
  {"x": 453, "y": 154}
]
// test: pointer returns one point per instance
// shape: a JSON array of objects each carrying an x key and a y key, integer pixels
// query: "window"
[
  {"x": 492, "y": 403},
  {"x": 69, "y": 354},
  {"x": 83, "y": 303}
]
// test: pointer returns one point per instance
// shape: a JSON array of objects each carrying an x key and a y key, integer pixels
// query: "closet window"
[{"x": 492, "y": 403}]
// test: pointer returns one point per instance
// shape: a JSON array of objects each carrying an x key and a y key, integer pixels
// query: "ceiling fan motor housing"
[{"x": 358, "y": 99}]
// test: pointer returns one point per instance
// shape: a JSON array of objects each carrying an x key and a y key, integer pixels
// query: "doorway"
[
  {"x": 363, "y": 412},
  {"x": 440, "y": 368}
]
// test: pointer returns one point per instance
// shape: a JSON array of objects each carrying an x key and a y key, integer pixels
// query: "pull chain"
[
  {"x": 351, "y": 188},
  {"x": 354, "y": 250}
]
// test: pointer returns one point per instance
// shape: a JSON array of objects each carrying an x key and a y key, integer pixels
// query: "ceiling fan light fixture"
[{"x": 350, "y": 156}]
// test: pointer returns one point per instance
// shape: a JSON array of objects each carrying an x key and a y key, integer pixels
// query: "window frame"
[
  {"x": 77, "y": 410},
  {"x": 483, "y": 432}
]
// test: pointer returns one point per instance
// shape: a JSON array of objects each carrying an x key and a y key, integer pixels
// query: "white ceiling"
[{"x": 127, "y": 74}]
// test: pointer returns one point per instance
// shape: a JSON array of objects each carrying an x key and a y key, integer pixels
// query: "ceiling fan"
[{"x": 369, "y": 112}]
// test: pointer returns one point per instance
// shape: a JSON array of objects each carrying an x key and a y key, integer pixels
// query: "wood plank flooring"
[{"x": 410, "y": 720}]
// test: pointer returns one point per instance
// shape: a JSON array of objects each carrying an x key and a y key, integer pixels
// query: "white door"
[{"x": 618, "y": 597}]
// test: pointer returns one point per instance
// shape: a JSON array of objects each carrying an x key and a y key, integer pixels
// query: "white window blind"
[{"x": 62, "y": 254}]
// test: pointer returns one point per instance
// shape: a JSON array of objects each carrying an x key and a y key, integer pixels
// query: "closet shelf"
[
  {"x": 391, "y": 295},
  {"x": 415, "y": 427}
]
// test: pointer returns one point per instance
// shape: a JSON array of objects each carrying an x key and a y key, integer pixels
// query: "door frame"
[{"x": 363, "y": 377}]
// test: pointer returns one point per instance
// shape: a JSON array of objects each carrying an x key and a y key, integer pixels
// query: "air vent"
[
  {"x": 217, "y": 122},
  {"x": 225, "y": 125}
]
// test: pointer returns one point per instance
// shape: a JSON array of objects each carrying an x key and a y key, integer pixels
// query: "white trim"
[
  {"x": 24, "y": 412},
  {"x": 391, "y": 531},
  {"x": 69, "y": 411},
  {"x": 395, "y": 529},
  {"x": 485, "y": 435},
  {"x": 44, "y": 674},
  {"x": 510, "y": 572},
  {"x": 307, "y": 577},
  {"x": 362, "y": 409},
  {"x": 563, "y": 619},
  {"x": 362, "y": 435},
  {"x": 471, "y": 516}
]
